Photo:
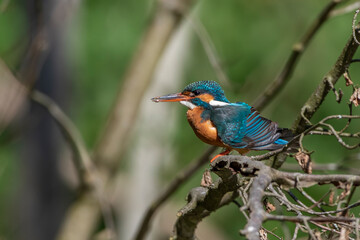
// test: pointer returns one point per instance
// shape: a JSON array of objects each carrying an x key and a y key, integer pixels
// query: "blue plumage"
[
  {"x": 230, "y": 122},
  {"x": 240, "y": 126}
]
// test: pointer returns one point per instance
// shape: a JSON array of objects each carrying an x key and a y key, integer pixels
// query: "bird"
[{"x": 233, "y": 126}]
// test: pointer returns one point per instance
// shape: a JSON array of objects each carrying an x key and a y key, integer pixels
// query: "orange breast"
[{"x": 205, "y": 130}]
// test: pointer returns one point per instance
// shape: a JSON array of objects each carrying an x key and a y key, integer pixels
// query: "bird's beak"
[{"x": 176, "y": 97}]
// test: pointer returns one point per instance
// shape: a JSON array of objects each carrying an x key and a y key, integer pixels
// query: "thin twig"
[
  {"x": 347, "y": 9},
  {"x": 210, "y": 49},
  {"x": 268, "y": 231},
  {"x": 300, "y": 219},
  {"x": 295, "y": 232},
  {"x": 340, "y": 140},
  {"x": 324, "y": 167},
  {"x": 325, "y": 228},
  {"x": 318, "y": 202},
  {"x": 353, "y": 26},
  {"x": 317, "y": 97},
  {"x": 327, "y": 133},
  {"x": 87, "y": 172},
  {"x": 309, "y": 229},
  {"x": 336, "y": 211},
  {"x": 338, "y": 94},
  {"x": 349, "y": 120}
]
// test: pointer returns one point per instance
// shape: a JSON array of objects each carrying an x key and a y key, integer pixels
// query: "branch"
[
  {"x": 327, "y": 133},
  {"x": 12, "y": 96},
  {"x": 210, "y": 50},
  {"x": 318, "y": 96},
  {"x": 332, "y": 130},
  {"x": 323, "y": 167},
  {"x": 203, "y": 201},
  {"x": 257, "y": 192},
  {"x": 353, "y": 26},
  {"x": 285, "y": 74},
  {"x": 300, "y": 219},
  {"x": 347, "y": 9},
  {"x": 82, "y": 158},
  {"x": 86, "y": 171},
  {"x": 88, "y": 175}
]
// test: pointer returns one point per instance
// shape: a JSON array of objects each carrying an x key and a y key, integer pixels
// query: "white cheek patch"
[
  {"x": 218, "y": 103},
  {"x": 188, "y": 104}
]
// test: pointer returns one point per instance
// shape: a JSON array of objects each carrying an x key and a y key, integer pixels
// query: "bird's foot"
[{"x": 226, "y": 152}]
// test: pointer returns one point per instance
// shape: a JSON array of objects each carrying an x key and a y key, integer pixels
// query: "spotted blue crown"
[{"x": 210, "y": 87}]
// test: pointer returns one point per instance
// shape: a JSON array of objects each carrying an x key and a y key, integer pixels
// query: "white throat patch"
[
  {"x": 188, "y": 104},
  {"x": 218, "y": 103}
]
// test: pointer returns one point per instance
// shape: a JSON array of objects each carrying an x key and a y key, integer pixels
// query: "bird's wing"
[
  {"x": 241, "y": 126},
  {"x": 230, "y": 122},
  {"x": 262, "y": 133}
]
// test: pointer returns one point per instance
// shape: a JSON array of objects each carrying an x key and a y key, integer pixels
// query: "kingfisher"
[{"x": 233, "y": 126}]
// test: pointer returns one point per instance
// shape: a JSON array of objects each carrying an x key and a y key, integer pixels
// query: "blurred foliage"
[{"x": 253, "y": 39}]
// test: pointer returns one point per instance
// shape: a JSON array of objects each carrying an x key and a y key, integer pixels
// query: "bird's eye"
[{"x": 196, "y": 92}]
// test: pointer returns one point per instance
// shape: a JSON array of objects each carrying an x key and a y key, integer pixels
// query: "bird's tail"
[
  {"x": 287, "y": 135},
  {"x": 283, "y": 137}
]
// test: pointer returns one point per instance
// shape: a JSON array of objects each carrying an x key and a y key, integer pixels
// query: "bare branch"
[
  {"x": 13, "y": 96},
  {"x": 201, "y": 204},
  {"x": 332, "y": 130},
  {"x": 340, "y": 140},
  {"x": 209, "y": 49},
  {"x": 327, "y": 133},
  {"x": 82, "y": 158},
  {"x": 88, "y": 175},
  {"x": 318, "y": 96},
  {"x": 257, "y": 192},
  {"x": 347, "y": 9},
  {"x": 353, "y": 27},
  {"x": 267, "y": 155},
  {"x": 202, "y": 201},
  {"x": 300, "y": 219},
  {"x": 296, "y": 232},
  {"x": 322, "y": 167}
]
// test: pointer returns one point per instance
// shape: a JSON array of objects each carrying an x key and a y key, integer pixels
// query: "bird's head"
[{"x": 197, "y": 94}]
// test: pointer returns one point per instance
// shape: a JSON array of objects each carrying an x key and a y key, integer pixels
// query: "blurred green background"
[{"x": 253, "y": 40}]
